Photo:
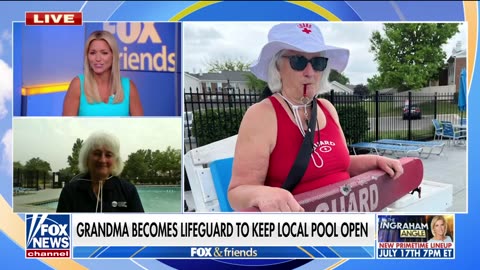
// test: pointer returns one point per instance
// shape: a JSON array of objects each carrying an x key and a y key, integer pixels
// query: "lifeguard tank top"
[
  {"x": 329, "y": 161},
  {"x": 102, "y": 108}
]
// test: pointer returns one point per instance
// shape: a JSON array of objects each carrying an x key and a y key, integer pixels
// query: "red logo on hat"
[{"x": 305, "y": 27}]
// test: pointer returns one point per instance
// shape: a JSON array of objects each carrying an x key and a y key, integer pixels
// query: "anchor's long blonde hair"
[{"x": 90, "y": 87}]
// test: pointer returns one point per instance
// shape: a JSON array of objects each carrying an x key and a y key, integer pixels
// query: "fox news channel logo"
[{"x": 48, "y": 236}]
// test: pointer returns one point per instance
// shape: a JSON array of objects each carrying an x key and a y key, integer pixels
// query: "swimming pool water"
[{"x": 161, "y": 199}]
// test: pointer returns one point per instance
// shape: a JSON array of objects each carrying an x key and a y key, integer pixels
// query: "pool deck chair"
[
  {"x": 382, "y": 148},
  {"x": 204, "y": 163},
  {"x": 438, "y": 129},
  {"x": 423, "y": 145},
  {"x": 457, "y": 136}
]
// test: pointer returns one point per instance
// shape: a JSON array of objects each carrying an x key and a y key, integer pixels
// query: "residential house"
[
  {"x": 456, "y": 62},
  {"x": 191, "y": 83},
  {"x": 339, "y": 88},
  {"x": 216, "y": 82}
]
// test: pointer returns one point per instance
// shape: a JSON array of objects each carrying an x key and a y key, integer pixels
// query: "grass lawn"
[
  {"x": 417, "y": 135},
  {"x": 395, "y": 108}
]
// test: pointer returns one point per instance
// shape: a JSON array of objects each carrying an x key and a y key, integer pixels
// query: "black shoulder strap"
[{"x": 303, "y": 157}]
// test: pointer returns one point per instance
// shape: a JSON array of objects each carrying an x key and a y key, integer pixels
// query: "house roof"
[
  {"x": 351, "y": 86},
  {"x": 457, "y": 54},
  {"x": 462, "y": 53},
  {"x": 341, "y": 87},
  {"x": 224, "y": 75}
]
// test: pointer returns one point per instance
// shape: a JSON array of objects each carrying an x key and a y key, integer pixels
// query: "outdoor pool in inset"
[
  {"x": 160, "y": 198},
  {"x": 155, "y": 199}
]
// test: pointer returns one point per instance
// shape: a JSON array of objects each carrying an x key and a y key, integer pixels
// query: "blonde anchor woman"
[{"x": 100, "y": 90}]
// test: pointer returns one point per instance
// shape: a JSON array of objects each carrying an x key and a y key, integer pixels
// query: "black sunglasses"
[{"x": 300, "y": 62}]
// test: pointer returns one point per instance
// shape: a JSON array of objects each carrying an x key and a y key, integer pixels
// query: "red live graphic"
[{"x": 53, "y": 18}]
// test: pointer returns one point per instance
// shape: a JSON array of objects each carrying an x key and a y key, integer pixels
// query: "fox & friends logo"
[
  {"x": 226, "y": 252},
  {"x": 48, "y": 236}
]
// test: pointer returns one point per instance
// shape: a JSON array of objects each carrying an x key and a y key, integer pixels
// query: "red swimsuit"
[{"x": 329, "y": 161}]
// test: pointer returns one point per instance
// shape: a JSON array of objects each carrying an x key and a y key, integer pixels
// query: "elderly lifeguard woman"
[
  {"x": 296, "y": 63},
  {"x": 98, "y": 187}
]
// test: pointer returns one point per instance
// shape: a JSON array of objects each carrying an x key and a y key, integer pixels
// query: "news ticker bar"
[
  {"x": 229, "y": 252},
  {"x": 228, "y": 236}
]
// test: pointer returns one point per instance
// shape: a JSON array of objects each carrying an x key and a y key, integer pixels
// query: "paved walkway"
[
  {"x": 450, "y": 167},
  {"x": 31, "y": 201}
]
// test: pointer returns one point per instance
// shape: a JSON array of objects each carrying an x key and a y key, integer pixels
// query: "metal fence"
[
  {"x": 35, "y": 179},
  {"x": 228, "y": 103},
  {"x": 386, "y": 118}
]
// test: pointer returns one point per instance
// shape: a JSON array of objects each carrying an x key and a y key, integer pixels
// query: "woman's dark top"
[{"x": 118, "y": 196}]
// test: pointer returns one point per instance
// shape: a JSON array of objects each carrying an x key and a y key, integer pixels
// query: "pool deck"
[
  {"x": 25, "y": 203},
  {"x": 450, "y": 167}
]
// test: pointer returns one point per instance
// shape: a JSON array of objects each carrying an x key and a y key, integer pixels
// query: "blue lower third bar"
[
  {"x": 385, "y": 253},
  {"x": 224, "y": 252}
]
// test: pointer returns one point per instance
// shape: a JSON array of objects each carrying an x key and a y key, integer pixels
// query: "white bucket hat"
[{"x": 303, "y": 37}]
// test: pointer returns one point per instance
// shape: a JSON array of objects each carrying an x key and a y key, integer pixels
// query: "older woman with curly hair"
[{"x": 98, "y": 188}]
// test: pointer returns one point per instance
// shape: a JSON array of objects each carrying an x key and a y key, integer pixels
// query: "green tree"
[
  {"x": 339, "y": 77},
  {"x": 409, "y": 55},
  {"x": 135, "y": 166},
  {"x": 158, "y": 166},
  {"x": 73, "y": 158},
  {"x": 360, "y": 90},
  {"x": 67, "y": 172},
  {"x": 18, "y": 165},
  {"x": 148, "y": 160},
  {"x": 374, "y": 83},
  {"x": 37, "y": 164},
  {"x": 174, "y": 164},
  {"x": 227, "y": 64},
  {"x": 255, "y": 83}
]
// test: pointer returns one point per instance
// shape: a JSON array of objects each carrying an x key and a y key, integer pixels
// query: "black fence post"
[
  {"x": 435, "y": 106},
  {"x": 19, "y": 180},
  {"x": 332, "y": 97},
  {"x": 377, "y": 115},
  {"x": 409, "y": 115},
  {"x": 36, "y": 182}
]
